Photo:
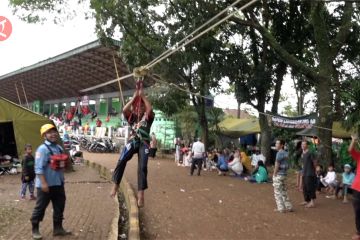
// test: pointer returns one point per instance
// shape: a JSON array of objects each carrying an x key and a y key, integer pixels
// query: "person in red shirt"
[
  {"x": 356, "y": 185},
  {"x": 98, "y": 123}
]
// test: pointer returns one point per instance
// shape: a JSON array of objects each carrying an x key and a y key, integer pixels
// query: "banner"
[{"x": 301, "y": 122}]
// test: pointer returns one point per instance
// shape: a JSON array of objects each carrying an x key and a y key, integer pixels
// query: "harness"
[
  {"x": 57, "y": 161},
  {"x": 141, "y": 134}
]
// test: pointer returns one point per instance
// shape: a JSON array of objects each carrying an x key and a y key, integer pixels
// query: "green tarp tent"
[
  {"x": 19, "y": 126},
  {"x": 337, "y": 131},
  {"x": 234, "y": 127}
]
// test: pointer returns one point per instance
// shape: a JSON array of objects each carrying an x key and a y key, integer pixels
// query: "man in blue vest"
[{"x": 49, "y": 182}]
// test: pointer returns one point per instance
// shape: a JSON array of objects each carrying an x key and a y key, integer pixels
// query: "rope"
[
  {"x": 193, "y": 32},
  {"x": 200, "y": 34},
  {"x": 158, "y": 79}
]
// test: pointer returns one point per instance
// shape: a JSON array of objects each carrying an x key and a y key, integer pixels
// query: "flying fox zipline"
[
  {"x": 143, "y": 70},
  {"x": 140, "y": 72}
]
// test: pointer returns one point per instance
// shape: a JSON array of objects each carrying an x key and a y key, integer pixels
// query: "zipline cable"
[
  {"x": 153, "y": 63},
  {"x": 200, "y": 34},
  {"x": 158, "y": 79},
  {"x": 193, "y": 32}
]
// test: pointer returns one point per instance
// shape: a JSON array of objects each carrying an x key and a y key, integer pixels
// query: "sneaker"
[
  {"x": 32, "y": 197},
  {"x": 279, "y": 211},
  {"x": 22, "y": 197},
  {"x": 330, "y": 196}
]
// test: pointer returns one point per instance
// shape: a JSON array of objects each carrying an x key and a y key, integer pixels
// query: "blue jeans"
[
  {"x": 142, "y": 149},
  {"x": 25, "y": 185}
]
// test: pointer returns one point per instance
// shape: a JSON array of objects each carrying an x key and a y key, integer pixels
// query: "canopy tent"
[
  {"x": 337, "y": 131},
  {"x": 234, "y": 127},
  {"x": 21, "y": 123}
]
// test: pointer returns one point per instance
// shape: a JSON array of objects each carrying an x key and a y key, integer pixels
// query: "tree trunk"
[
  {"x": 280, "y": 72},
  {"x": 265, "y": 137},
  {"x": 325, "y": 120},
  {"x": 203, "y": 121},
  {"x": 238, "y": 110}
]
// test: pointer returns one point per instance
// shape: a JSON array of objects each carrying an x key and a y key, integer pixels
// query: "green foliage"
[
  {"x": 187, "y": 121},
  {"x": 343, "y": 156},
  {"x": 169, "y": 100},
  {"x": 351, "y": 98}
]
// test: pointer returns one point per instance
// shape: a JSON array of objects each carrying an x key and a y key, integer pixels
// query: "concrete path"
[{"x": 88, "y": 213}]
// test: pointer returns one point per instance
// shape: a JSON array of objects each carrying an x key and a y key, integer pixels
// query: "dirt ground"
[{"x": 179, "y": 206}]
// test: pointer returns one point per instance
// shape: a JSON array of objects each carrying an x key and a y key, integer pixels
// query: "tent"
[
  {"x": 18, "y": 126},
  {"x": 337, "y": 131},
  {"x": 234, "y": 127}
]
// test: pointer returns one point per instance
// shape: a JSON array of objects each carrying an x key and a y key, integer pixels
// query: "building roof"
[{"x": 63, "y": 76}]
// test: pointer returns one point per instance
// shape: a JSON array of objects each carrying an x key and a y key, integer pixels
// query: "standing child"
[
  {"x": 347, "y": 180},
  {"x": 28, "y": 173}
]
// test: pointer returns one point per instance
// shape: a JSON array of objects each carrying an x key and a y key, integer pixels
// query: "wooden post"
[
  {"x": 117, "y": 75},
  {"x": 17, "y": 91}
]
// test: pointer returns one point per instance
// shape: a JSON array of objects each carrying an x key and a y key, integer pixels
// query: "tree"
[{"x": 329, "y": 34}]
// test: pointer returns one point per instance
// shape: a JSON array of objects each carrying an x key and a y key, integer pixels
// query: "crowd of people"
[
  {"x": 234, "y": 162},
  {"x": 312, "y": 180}
]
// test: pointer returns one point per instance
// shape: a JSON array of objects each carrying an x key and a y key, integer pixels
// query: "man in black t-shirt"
[
  {"x": 139, "y": 141},
  {"x": 309, "y": 175}
]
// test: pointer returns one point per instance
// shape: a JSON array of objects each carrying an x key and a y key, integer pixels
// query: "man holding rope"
[{"x": 139, "y": 114}]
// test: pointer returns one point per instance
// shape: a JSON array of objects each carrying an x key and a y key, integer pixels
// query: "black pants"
[
  {"x": 309, "y": 188},
  {"x": 356, "y": 205},
  {"x": 142, "y": 149},
  {"x": 198, "y": 163},
  {"x": 152, "y": 152},
  {"x": 319, "y": 184},
  {"x": 57, "y": 197}
]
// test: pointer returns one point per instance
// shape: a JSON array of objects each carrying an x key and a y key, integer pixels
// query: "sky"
[{"x": 32, "y": 43}]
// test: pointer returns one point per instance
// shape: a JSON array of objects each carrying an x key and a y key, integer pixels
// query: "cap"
[{"x": 347, "y": 166}]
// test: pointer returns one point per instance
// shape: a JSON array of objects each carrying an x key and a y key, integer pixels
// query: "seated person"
[
  {"x": 329, "y": 181},
  {"x": 319, "y": 174},
  {"x": 246, "y": 162},
  {"x": 260, "y": 174},
  {"x": 257, "y": 157},
  {"x": 222, "y": 164},
  {"x": 346, "y": 181},
  {"x": 234, "y": 163}
]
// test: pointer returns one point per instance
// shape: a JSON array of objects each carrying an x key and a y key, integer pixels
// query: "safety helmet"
[{"x": 46, "y": 127}]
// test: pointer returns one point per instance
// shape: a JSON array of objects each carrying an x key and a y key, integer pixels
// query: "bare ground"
[{"x": 178, "y": 206}]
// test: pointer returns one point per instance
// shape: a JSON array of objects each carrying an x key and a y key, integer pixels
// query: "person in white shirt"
[
  {"x": 329, "y": 181},
  {"x": 198, "y": 153},
  {"x": 235, "y": 165},
  {"x": 257, "y": 157}
]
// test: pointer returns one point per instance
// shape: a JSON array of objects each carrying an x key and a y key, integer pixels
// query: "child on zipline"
[{"x": 139, "y": 114}]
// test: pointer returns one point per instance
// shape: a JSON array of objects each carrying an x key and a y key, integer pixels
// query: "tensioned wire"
[
  {"x": 205, "y": 97},
  {"x": 185, "y": 41},
  {"x": 192, "y": 33}
]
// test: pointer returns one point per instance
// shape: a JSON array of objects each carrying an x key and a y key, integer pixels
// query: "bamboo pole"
[
  {"x": 17, "y": 92},
  {"x": 117, "y": 75},
  {"x": 27, "y": 103}
]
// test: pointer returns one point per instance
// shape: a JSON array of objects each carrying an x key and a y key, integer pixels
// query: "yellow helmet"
[{"x": 46, "y": 127}]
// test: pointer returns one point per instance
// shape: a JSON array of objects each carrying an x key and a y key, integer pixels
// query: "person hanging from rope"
[{"x": 139, "y": 114}]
